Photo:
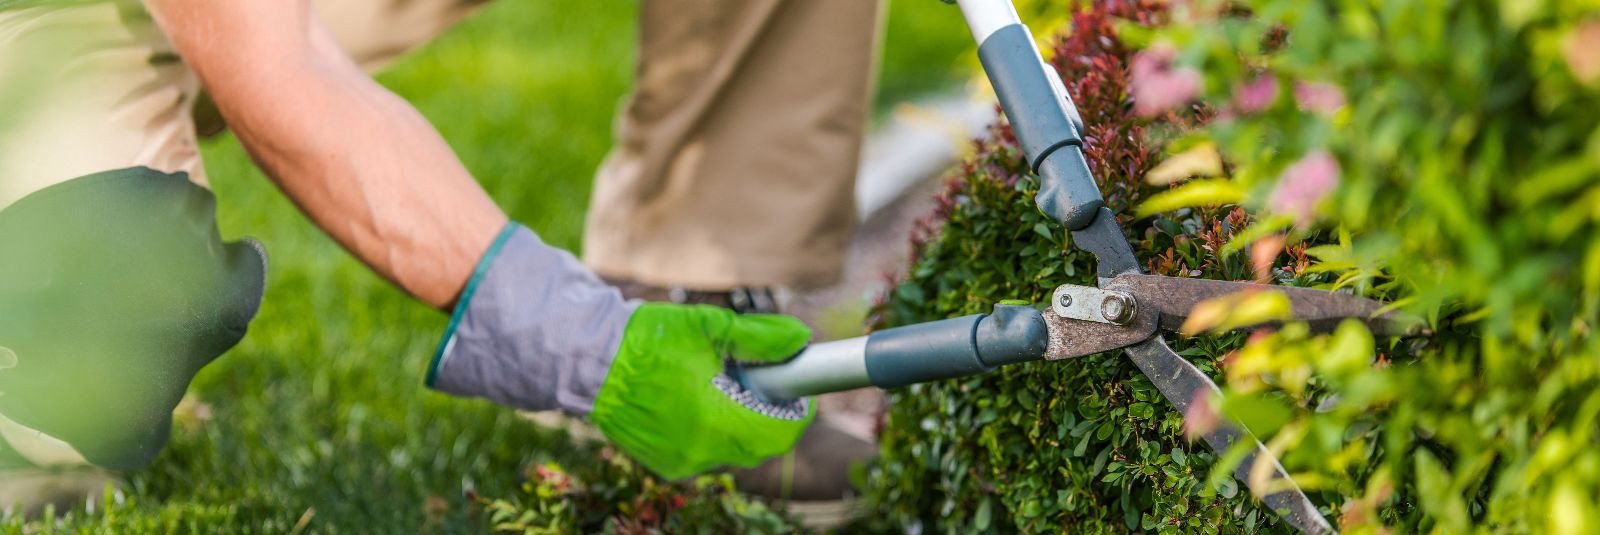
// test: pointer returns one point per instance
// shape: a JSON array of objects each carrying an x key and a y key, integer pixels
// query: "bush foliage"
[
  {"x": 1439, "y": 155},
  {"x": 1087, "y": 443}
]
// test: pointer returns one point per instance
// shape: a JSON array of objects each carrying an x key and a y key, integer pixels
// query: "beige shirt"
[{"x": 89, "y": 88}]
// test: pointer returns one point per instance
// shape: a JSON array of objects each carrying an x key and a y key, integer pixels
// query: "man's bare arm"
[{"x": 360, "y": 161}]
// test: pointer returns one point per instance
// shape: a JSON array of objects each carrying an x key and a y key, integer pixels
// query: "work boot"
[
  {"x": 38, "y": 471},
  {"x": 817, "y": 469}
]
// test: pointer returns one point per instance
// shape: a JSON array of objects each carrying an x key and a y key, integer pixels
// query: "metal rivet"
[
  {"x": 1116, "y": 309},
  {"x": 1066, "y": 299}
]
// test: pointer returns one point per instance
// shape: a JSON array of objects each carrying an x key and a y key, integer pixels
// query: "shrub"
[
  {"x": 1087, "y": 443},
  {"x": 1438, "y": 155}
]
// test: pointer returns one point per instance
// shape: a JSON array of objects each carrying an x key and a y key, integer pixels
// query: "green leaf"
[
  {"x": 1191, "y": 194},
  {"x": 1043, "y": 230},
  {"x": 1200, "y": 160},
  {"x": 1232, "y": 311},
  {"x": 1437, "y": 495},
  {"x": 982, "y": 518},
  {"x": 1262, "y": 415},
  {"x": 1349, "y": 351}
]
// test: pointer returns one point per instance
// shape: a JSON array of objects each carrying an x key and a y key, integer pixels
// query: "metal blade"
[
  {"x": 1182, "y": 383},
  {"x": 1112, "y": 253},
  {"x": 1175, "y": 297},
  {"x": 1177, "y": 379}
]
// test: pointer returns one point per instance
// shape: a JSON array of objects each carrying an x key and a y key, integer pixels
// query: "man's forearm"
[
  {"x": 375, "y": 175},
  {"x": 360, "y": 161}
]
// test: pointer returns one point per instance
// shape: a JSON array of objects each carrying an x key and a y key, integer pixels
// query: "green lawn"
[{"x": 319, "y": 418}]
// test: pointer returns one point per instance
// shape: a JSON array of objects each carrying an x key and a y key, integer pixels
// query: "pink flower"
[
  {"x": 1256, "y": 95},
  {"x": 1318, "y": 97},
  {"x": 1158, "y": 87},
  {"x": 1583, "y": 51},
  {"x": 1201, "y": 417},
  {"x": 1305, "y": 184}
]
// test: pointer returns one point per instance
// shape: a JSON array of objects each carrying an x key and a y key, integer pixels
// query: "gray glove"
[{"x": 534, "y": 329}]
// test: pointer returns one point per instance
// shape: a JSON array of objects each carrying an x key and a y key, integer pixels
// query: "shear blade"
[
  {"x": 1173, "y": 298},
  {"x": 1183, "y": 384}
]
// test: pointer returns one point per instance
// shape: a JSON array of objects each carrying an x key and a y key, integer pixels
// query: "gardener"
[{"x": 114, "y": 289}]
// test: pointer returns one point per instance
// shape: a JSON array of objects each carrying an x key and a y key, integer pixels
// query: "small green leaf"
[
  {"x": 1191, "y": 194},
  {"x": 1262, "y": 415},
  {"x": 1043, "y": 230},
  {"x": 982, "y": 518}
]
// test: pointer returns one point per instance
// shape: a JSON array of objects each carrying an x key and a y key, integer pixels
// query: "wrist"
[{"x": 533, "y": 329}]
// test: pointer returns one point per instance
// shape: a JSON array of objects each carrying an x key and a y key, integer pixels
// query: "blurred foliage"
[
  {"x": 624, "y": 499},
  {"x": 1464, "y": 137},
  {"x": 1440, "y": 155}
]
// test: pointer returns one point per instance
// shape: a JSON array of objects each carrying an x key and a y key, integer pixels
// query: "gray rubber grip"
[
  {"x": 901, "y": 356},
  {"x": 1045, "y": 122},
  {"x": 1066, "y": 189},
  {"x": 957, "y": 347},
  {"x": 1012, "y": 334},
  {"x": 924, "y": 352}
]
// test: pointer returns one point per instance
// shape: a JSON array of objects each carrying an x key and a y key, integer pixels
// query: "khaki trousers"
[
  {"x": 735, "y": 158},
  {"x": 94, "y": 87}
]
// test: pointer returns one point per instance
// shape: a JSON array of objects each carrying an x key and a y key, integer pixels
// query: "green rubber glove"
[
  {"x": 115, "y": 290},
  {"x": 667, "y": 403}
]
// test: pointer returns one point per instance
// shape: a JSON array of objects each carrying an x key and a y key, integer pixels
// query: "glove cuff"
[{"x": 534, "y": 329}]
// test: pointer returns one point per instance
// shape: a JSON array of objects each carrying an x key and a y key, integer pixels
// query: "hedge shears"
[{"x": 1128, "y": 310}]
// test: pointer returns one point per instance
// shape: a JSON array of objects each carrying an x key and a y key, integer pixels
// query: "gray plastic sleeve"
[
  {"x": 1027, "y": 92},
  {"x": 1045, "y": 122},
  {"x": 924, "y": 352},
  {"x": 912, "y": 354},
  {"x": 1012, "y": 334},
  {"x": 956, "y": 347},
  {"x": 534, "y": 329}
]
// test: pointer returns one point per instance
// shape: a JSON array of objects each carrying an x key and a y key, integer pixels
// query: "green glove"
[
  {"x": 668, "y": 404},
  {"x": 115, "y": 289},
  {"x": 537, "y": 330}
]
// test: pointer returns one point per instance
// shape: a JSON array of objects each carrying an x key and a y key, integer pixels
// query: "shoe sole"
[{"x": 30, "y": 491}]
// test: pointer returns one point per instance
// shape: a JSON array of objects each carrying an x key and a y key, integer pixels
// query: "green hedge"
[
  {"x": 1089, "y": 443},
  {"x": 1440, "y": 155}
]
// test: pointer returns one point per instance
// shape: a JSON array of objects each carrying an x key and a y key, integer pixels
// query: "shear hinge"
[{"x": 1089, "y": 303}]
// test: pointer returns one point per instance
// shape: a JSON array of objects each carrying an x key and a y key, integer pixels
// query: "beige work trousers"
[
  {"x": 735, "y": 157},
  {"x": 93, "y": 87}
]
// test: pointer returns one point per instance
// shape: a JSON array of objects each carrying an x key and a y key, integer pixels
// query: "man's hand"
[
  {"x": 361, "y": 162},
  {"x": 537, "y": 330},
  {"x": 667, "y": 402}
]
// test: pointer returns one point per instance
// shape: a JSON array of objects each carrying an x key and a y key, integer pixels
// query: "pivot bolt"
[
  {"x": 1117, "y": 308},
  {"x": 1066, "y": 299}
]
